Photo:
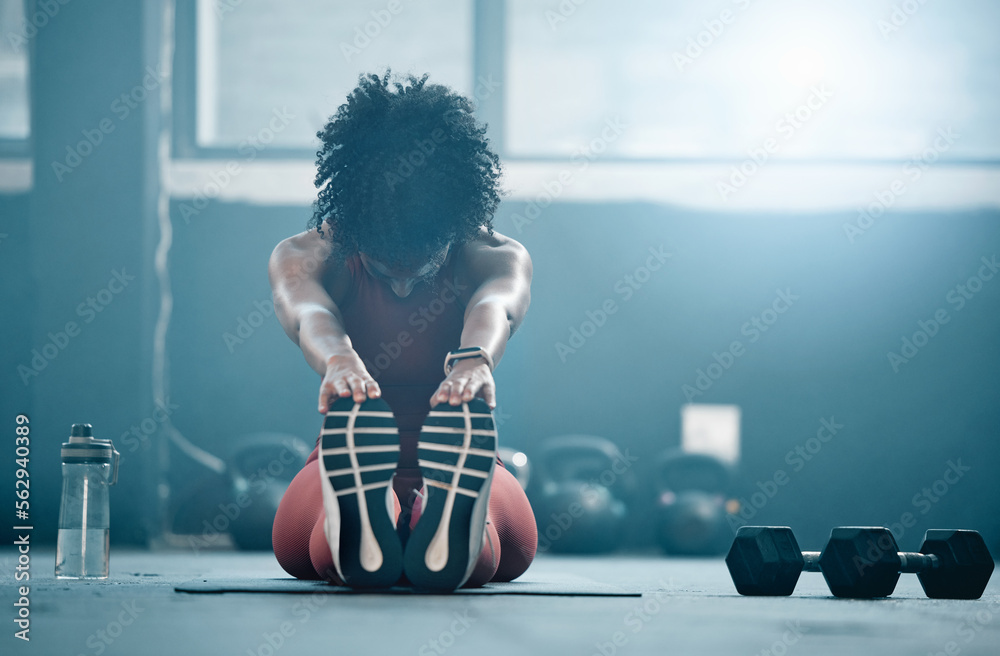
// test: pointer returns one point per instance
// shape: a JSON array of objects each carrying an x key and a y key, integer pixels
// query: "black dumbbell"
[
  {"x": 951, "y": 564},
  {"x": 860, "y": 562}
]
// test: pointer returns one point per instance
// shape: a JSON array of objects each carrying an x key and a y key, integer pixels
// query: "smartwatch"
[{"x": 465, "y": 354}]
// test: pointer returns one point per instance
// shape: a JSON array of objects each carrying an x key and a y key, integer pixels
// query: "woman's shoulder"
[
  {"x": 311, "y": 255},
  {"x": 489, "y": 253},
  {"x": 490, "y": 243}
]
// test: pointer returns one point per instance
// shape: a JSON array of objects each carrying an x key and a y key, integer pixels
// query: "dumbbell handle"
[{"x": 912, "y": 563}]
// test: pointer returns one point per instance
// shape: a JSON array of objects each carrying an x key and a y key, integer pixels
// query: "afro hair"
[{"x": 404, "y": 169}]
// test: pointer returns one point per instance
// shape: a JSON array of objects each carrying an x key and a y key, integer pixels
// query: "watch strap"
[{"x": 466, "y": 354}]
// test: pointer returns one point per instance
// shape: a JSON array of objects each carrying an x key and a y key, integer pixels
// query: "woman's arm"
[
  {"x": 499, "y": 270},
  {"x": 310, "y": 316}
]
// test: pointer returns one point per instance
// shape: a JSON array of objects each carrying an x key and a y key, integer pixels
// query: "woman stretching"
[{"x": 402, "y": 298}]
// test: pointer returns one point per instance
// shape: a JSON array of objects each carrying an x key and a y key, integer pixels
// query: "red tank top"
[{"x": 403, "y": 342}]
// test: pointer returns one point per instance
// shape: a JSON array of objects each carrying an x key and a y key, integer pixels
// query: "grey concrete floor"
[{"x": 686, "y": 607}]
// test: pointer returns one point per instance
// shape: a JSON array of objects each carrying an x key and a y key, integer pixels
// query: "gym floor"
[{"x": 686, "y": 606}]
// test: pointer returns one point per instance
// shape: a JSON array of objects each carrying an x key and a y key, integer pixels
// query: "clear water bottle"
[{"x": 89, "y": 467}]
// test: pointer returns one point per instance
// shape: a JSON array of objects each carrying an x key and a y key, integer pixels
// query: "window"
[
  {"x": 298, "y": 59},
  {"x": 665, "y": 97},
  {"x": 850, "y": 80},
  {"x": 17, "y": 34}
]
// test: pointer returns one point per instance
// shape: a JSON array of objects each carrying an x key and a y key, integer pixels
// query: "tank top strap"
[
  {"x": 357, "y": 271},
  {"x": 449, "y": 267}
]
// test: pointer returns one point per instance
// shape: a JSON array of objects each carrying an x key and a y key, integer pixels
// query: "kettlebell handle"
[
  {"x": 574, "y": 446},
  {"x": 716, "y": 474}
]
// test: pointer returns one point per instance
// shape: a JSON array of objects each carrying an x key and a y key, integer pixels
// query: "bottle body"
[{"x": 82, "y": 547}]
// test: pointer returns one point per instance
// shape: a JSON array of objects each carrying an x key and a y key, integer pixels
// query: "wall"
[{"x": 822, "y": 359}]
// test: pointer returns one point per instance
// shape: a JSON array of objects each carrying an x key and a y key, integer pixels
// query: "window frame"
[{"x": 15, "y": 148}]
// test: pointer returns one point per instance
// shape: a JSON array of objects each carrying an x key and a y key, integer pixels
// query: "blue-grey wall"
[{"x": 824, "y": 359}]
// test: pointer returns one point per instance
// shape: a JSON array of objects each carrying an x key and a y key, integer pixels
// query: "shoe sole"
[
  {"x": 359, "y": 452},
  {"x": 457, "y": 455}
]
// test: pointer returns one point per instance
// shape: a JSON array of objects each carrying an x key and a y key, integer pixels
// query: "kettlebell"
[
  {"x": 260, "y": 468},
  {"x": 693, "y": 503},
  {"x": 579, "y": 485}
]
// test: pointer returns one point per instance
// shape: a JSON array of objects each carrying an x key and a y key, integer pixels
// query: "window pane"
[
  {"x": 688, "y": 80},
  {"x": 14, "y": 70},
  {"x": 306, "y": 55}
]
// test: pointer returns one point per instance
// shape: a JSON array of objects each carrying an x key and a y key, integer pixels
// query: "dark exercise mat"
[{"x": 559, "y": 585}]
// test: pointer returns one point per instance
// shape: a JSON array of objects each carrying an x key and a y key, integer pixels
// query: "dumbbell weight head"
[
  {"x": 965, "y": 564},
  {"x": 765, "y": 561},
  {"x": 861, "y": 562}
]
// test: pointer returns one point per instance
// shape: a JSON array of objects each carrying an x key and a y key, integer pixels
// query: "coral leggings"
[{"x": 301, "y": 547}]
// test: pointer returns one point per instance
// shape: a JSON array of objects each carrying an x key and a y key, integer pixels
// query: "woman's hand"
[
  {"x": 468, "y": 379},
  {"x": 345, "y": 376}
]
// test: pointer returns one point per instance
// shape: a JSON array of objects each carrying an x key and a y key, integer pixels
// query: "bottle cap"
[
  {"x": 82, "y": 430},
  {"x": 84, "y": 448}
]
